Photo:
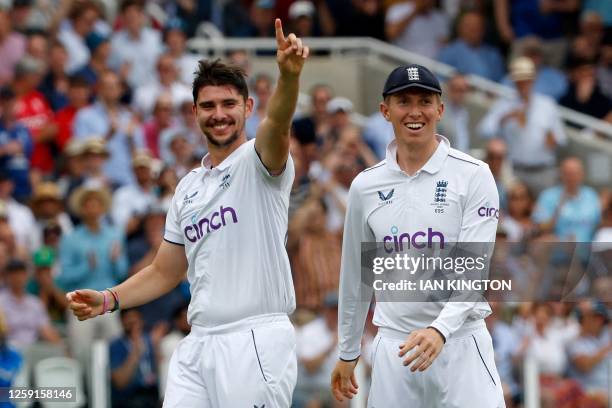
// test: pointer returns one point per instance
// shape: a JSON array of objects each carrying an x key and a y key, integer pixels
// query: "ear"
[
  {"x": 248, "y": 106},
  {"x": 440, "y": 110},
  {"x": 384, "y": 110}
]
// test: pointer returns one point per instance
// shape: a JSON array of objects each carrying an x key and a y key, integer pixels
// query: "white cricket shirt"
[
  {"x": 453, "y": 198},
  {"x": 232, "y": 220}
]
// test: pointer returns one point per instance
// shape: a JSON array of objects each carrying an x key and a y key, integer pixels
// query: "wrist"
[{"x": 439, "y": 333}]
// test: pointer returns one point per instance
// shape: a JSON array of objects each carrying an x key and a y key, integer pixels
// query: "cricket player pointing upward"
[
  {"x": 432, "y": 354},
  {"x": 226, "y": 227}
]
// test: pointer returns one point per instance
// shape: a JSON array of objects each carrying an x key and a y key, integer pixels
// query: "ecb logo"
[
  {"x": 413, "y": 74},
  {"x": 439, "y": 201}
]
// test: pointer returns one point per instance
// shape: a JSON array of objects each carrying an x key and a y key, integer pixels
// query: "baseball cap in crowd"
[
  {"x": 265, "y": 4},
  {"x": 94, "y": 40},
  {"x": 411, "y": 76},
  {"x": 339, "y": 104},
  {"x": 44, "y": 257},
  {"x": 522, "y": 69},
  {"x": 142, "y": 159},
  {"x": 95, "y": 145},
  {"x": 301, "y": 8},
  {"x": 29, "y": 65}
]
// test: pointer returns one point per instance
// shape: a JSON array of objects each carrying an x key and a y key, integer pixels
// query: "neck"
[
  {"x": 18, "y": 293},
  {"x": 220, "y": 153},
  {"x": 411, "y": 158},
  {"x": 572, "y": 191},
  {"x": 134, "y": 33},
  {"x": 93, "y": 225}
]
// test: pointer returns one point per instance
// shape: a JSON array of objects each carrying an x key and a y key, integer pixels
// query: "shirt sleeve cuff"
[
  {"x": 349, "y": 356},
  {"x": 441, "y": 328}
]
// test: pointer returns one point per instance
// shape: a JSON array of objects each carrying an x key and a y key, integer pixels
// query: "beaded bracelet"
[{"x": 104, "y": 302}]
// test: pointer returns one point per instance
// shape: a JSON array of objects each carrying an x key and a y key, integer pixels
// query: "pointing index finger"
[{"x": 280, "y": 36}]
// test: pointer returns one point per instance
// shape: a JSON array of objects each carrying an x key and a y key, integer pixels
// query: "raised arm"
[
  {"x": 272, "y": 141},
  {"x": 165, "y": 272}
]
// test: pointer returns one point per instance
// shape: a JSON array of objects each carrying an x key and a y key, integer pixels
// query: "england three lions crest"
[{"x": 439, "y": 199}]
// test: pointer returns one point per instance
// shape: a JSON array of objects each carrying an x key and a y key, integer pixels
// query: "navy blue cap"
[{"x": 409, "y": 76}]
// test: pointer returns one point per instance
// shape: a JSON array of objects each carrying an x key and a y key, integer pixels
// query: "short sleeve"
[
  {"x": 172, "y": 231},
  {"x": 283, "y": 180}
]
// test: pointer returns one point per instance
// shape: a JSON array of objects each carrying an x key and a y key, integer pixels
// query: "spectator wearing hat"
[
  {"x": 117, "y": 125},
  {"x": 48, "y": 207},
  {"x": 46, "y": 288},
  {"x": 135, "y": 48},
  {"x": 307, "y": 21},
  {"x": 175, "y": 40},
  {"x": 79, "y": 92},
  {"x": 15, "y": 146},
  {"x": 95, "y": 157},
  {"x": 339, "y": 110},
  {"x": 100, "y": 48},
  {"x": 19, "y": 216},
  {"x": 12, "y": 46},
  {"x": 589, "y": 354},
  {"x": 469, "y": 54},
  {"x": 531, "y": 126},
  {"x": 33, "y": 110},
  {"x": 73, "y": 170},
  {"x": 26, "y": 317},
  {"x": 417, "y": 26},
  {"x": 91, "y": 256},
  {"x": 82, "y": 18},
  {"x": 166, "y": 82},
  {"x": 262, "y": 18},
  {"x": 549, "y": 80},
  {"x": 131, "y": 202},
  {"x": 584, "y": 94}
]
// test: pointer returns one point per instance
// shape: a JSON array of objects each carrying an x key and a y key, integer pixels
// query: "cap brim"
[{"x": 401, "y": 88}]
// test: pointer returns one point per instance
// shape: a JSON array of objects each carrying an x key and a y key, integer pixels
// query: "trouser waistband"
[
  {"x": 240, "y": 325},
  {"x": 466, "y": 330}
]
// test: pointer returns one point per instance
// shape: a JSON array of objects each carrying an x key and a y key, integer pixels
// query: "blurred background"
[{"x": 96, "y": 129}]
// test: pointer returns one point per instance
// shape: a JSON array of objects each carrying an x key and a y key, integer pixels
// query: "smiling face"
[
  {"x": 221, "y": 112},
  {"x": 414, "y": 114}
]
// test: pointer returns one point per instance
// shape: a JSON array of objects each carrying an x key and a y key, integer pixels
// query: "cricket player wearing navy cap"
[
  {"x": 433, "y": 354},
  {"x": 225, "y": 230}
]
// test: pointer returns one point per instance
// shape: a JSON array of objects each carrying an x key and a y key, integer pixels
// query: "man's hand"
[
  {"x": 427, "y": 343},
  {"x": 291, "y": 53},
  {"x": 87, "y": 303},
  {"x": 343, "y": 381}
]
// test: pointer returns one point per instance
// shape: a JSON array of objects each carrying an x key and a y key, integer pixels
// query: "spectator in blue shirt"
[
  {"x": 571, "y": 210},
  {"x": 549, "y": 81},
  {"x": 11, "y": 361},
  {"x": 15, "y": 146},
  {"x": 108, "y": 119},
  {"x": 469, "y": 54},
  {"x": 133, "y": 363}
]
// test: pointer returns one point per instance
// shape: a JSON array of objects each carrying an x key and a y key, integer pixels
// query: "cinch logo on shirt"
[
  {"x": 396, "y": 242},
  {"x": 486, "y": 211},
  {"x": 213, "y": 222}
]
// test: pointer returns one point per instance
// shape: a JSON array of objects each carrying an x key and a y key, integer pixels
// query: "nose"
[{"x": 218, "y": 113}]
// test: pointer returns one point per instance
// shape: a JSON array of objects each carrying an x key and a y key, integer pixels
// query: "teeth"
[{"x": 414, "y": 125}]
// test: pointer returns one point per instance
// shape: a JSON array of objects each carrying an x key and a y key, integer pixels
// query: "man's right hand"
[
  {"x": 87, "y": 303},
  {"x": 343, "y": 381}
]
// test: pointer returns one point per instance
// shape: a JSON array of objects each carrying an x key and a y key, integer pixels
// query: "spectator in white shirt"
[
  {"x": 135, "y": 48},
  {"x": 417, "y": 26},
  {"x": 176, "y": 45},
  {"x": 81, "y": 21},
  {"x": 167, "y": 81},
  {"x": 531, "y": 125},
  {"x": 455, "y": 122}
]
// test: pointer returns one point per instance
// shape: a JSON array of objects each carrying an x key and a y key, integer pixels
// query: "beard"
[{"x": 215, "y": 142}]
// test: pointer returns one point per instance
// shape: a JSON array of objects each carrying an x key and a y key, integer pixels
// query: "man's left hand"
[
  {"x": 427, "y": 343},
  {"x": 291, "y": 53}
]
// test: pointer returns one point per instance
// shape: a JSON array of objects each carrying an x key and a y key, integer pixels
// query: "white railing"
[
  {"x": 370, "y": 46},
  {"x": 531, "y": 383},
  {"x": 99, "y": 376}
]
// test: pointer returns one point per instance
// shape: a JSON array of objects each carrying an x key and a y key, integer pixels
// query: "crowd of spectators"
[{"x": 96, "y": 129}]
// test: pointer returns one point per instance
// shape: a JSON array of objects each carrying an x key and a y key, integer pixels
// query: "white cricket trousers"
[
  {"x": 248, "y": 363},
  {"x": 462, "y": 376}
]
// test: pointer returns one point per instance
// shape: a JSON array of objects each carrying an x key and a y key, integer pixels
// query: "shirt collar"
[
  {"x": 433, "y": 165},
  {"x": 206, "y": 162}
]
